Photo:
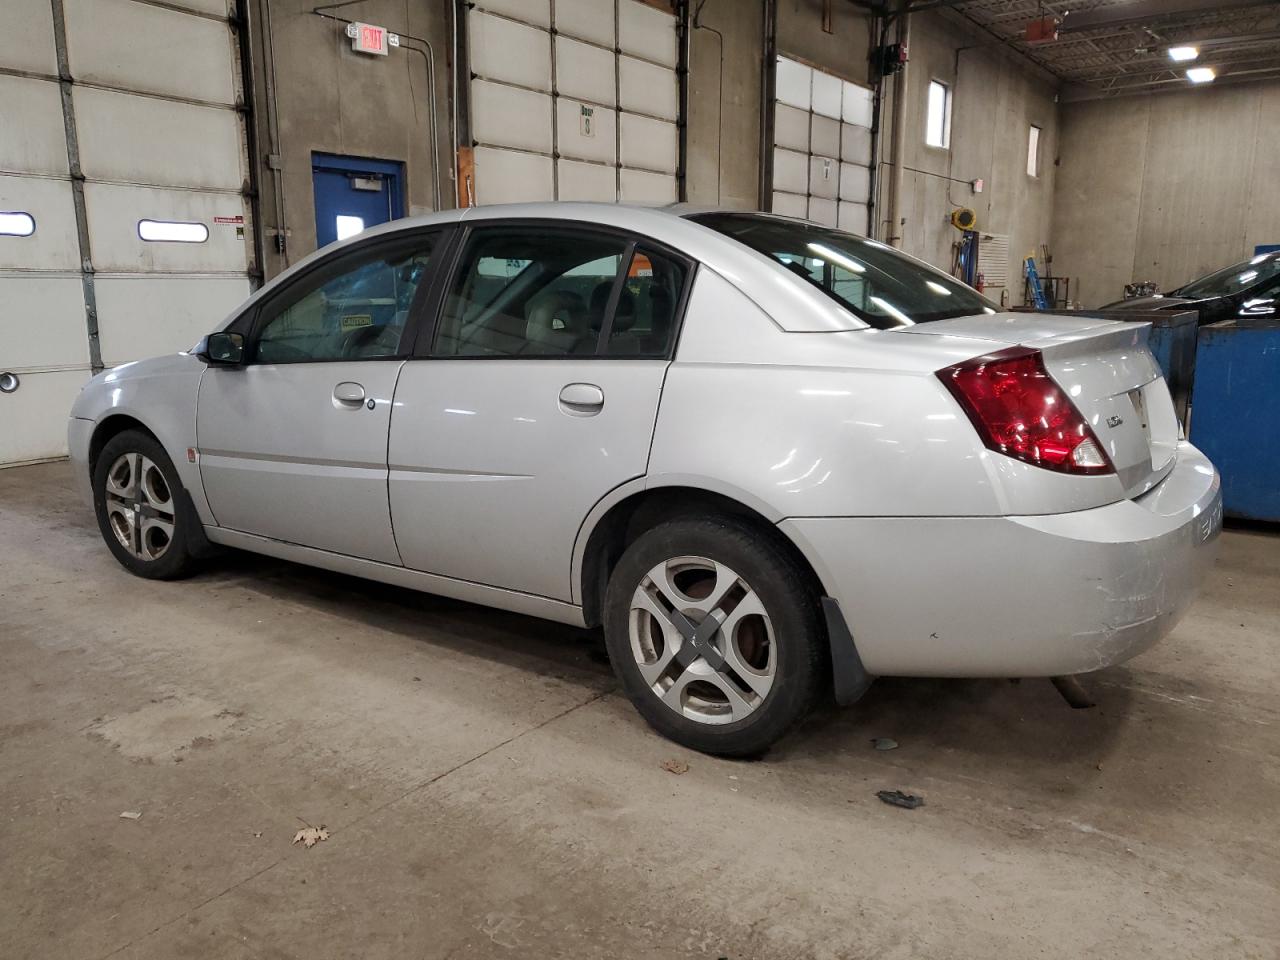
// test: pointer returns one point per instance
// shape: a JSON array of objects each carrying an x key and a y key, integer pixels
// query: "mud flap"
[{"x": 850, "y": 678}]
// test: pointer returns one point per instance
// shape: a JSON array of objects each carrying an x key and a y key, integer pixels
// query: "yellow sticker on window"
[{"x": 353, "y": 320}]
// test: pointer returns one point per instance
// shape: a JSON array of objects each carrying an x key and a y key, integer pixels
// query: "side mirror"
[{"x": 222, "y": 348}]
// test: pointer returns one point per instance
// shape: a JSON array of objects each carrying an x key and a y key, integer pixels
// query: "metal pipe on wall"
[{"x": 900, "y": 88}]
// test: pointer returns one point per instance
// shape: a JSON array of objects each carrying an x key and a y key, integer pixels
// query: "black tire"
[
  {"x": 175, "y": 560},
  {"x": 790, "y": 601}
]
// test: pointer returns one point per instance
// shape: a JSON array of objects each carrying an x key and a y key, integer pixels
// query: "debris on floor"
[
  {"x": 896, "y": 798},
  {"x": 884, "y": 743},
  {"x": 131, "y": 815},
  {"x": 310, "y": 836},
  {"x": 675, "y": 766}
]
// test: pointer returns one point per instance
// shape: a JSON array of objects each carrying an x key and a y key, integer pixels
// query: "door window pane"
[
  {"x": 530, "y": 291},
  {"x": 347, "y": 226},
  {"x": 358, "y": 314},
  {"x": 645, "y": 320}
]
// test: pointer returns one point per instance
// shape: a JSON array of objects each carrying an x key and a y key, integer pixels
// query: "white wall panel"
[
  {"x": 530, "y": 11},
  {"x": 824, "y": 177},
  {"x": 792, "y": 84},
  {"x": 647, "y": 88},
  {"x": 510, "y": 116},
  {"x": 33, "y": 138},
  {"x": 827, "y": 92},
  {"x": 588, "y": 19},
  {"x": 855, "y": 144},
  {"x": 823, "y": 211},
  {"x": 146, "y": 140},
  {"x": 124, "y": 43},
  {"x": 855, "y": 182},
  {"x": 114, "y": 211},
  {"x": 791, "y": 128},
  {"x": 601, "y": 145},
  {"x": 647, "y": 143},
  {"x": 35, "y": 415},
  {"x": 42, "y": 323},
  {"x": 26, "y": 37},
  {"x": 790, "y": 171},
  {"x": 502, "y": 49},
  {"x": 857, "y": 105},
  {"x": 853, "y": 217},
  {"x": 587, "y": 181},
  {"x": 146, "y": 316},
  {"x": 54, "y": 245},
  {"x": 218, "y": 7},
  {"x": 653, "y": 189},
  {"x": 646, "y": 32},
  {"x": 825, "y": 139},
  {"x": 503, "y": 176},
  {"x": 585, "y": 71},
  {"x": 790, "y": 204}
]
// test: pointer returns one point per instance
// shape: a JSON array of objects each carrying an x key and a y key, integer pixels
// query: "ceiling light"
[
  {"x": 1182, "y": 54},
  {"x": 1200, "y": 74}
]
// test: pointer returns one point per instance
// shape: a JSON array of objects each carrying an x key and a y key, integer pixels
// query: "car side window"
[
  {"x": 357, "y": 311},
  {"x": 644, "y": 321},
  {"x": 530, "y": 291}
]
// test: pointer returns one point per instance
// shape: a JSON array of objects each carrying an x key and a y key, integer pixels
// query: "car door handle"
[
  {"x": 581, "y": 399},
  {"x": 349, "y": 393}
]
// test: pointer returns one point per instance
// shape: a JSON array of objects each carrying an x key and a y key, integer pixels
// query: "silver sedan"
[{"x": 772, "y": 459}]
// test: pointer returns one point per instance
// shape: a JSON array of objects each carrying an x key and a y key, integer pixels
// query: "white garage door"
[
  {"x": 821, "y": 147},
  {"x": 150, "y": 248},
  {"x": 585, "y": 113}
]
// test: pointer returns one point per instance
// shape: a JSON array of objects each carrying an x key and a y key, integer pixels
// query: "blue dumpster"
[{"x": 1235, "y": 413}]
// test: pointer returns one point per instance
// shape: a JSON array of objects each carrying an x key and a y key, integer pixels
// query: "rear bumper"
[
  {"x": 1020, "y": 596},
  {"x": 79, "y": 433}
]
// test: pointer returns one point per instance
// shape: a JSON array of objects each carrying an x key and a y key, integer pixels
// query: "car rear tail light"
[{"x": 1020, "y": 411}]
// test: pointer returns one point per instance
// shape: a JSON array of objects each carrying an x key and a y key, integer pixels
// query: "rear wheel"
[
  {"x": 136, "y": 497},
  {"x": 715, "y": 635}
]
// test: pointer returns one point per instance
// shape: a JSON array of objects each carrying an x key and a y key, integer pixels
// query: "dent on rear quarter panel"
[{"x": 836, "y": 424}]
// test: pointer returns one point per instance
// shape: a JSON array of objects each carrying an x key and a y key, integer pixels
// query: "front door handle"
[
  {"x": 351, "y": 394},
  {"x": 581, "y": 399}
]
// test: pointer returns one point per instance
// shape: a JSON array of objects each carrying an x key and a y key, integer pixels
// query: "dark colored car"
[{"x": 1248, "y": 289}]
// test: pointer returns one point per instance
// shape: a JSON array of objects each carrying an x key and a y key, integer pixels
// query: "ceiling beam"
[
  {"x": 1148, "y": 11},
  {"x": 1073, "y": 93}
]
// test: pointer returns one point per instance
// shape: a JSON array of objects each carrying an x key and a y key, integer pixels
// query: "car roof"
[{"x": 793, "y": 304}]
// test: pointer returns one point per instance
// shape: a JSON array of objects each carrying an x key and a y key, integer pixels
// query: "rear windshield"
[
  {"x": 1234, "y": 279},
  {"x": 882, "y": 286}
]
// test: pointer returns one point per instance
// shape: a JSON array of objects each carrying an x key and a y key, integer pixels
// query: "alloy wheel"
[
  {"x": 702, "y": 640},
  {"x": 140, "y": 506}
]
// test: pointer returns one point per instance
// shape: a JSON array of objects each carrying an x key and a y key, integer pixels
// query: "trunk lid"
[{"x": 1104, "y": 366}]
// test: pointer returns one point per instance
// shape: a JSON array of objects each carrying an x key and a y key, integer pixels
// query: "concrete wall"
[
  {"x": 844, "y": 51},
  {"x": 996, "y": 96},
  {"x": 332, "y": 100},
  {"x": 725, "y": 75},
  {"x": 1165, "y": 188}
]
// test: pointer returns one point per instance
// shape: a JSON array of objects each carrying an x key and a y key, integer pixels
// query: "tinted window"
[
  {"x": 882, "y": 286},
  {"x": 530, "y": 291},
  {"x": 645, "y": 319},
  {"x": 357, "y": 314},
  {"x": 1234, "y": 279}
]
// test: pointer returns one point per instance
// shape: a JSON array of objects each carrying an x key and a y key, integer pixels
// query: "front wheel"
[
  {"x": 136, "y": 497},
  {"x": 715, "y": 635}
]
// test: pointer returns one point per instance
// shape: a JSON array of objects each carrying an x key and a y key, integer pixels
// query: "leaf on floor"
[
  {"x": 675, "y": 766},
  {"x": 310, "y": 836}
]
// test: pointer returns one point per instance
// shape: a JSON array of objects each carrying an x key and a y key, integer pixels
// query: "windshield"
[
  {"x": 1234, "y": 279},
  {"x": 882, "y": 286}
]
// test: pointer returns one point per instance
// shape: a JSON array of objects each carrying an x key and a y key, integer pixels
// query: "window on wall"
[
  {"x": 1033, "y": 152},
  {"x": 937, "y": 131}
]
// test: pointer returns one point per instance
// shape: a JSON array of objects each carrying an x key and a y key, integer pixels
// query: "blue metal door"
[{"x": 353, "y": 194}]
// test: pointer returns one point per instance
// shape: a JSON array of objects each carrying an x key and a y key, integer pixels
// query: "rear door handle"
[
  {"x": 349, "y": 393},
  {"x": 581, "y": 399}
]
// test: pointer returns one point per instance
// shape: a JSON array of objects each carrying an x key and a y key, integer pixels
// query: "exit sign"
[{"x": 368, "y": 38}]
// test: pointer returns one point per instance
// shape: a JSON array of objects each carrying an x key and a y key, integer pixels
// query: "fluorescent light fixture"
[
  {"x": 1183, "y": 54},
  {"x": 839, "y": 259},
  {"x": 1200, "y": 74}
]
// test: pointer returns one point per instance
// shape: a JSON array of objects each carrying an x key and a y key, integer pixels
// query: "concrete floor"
[{"x": 489, "y": 794}]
